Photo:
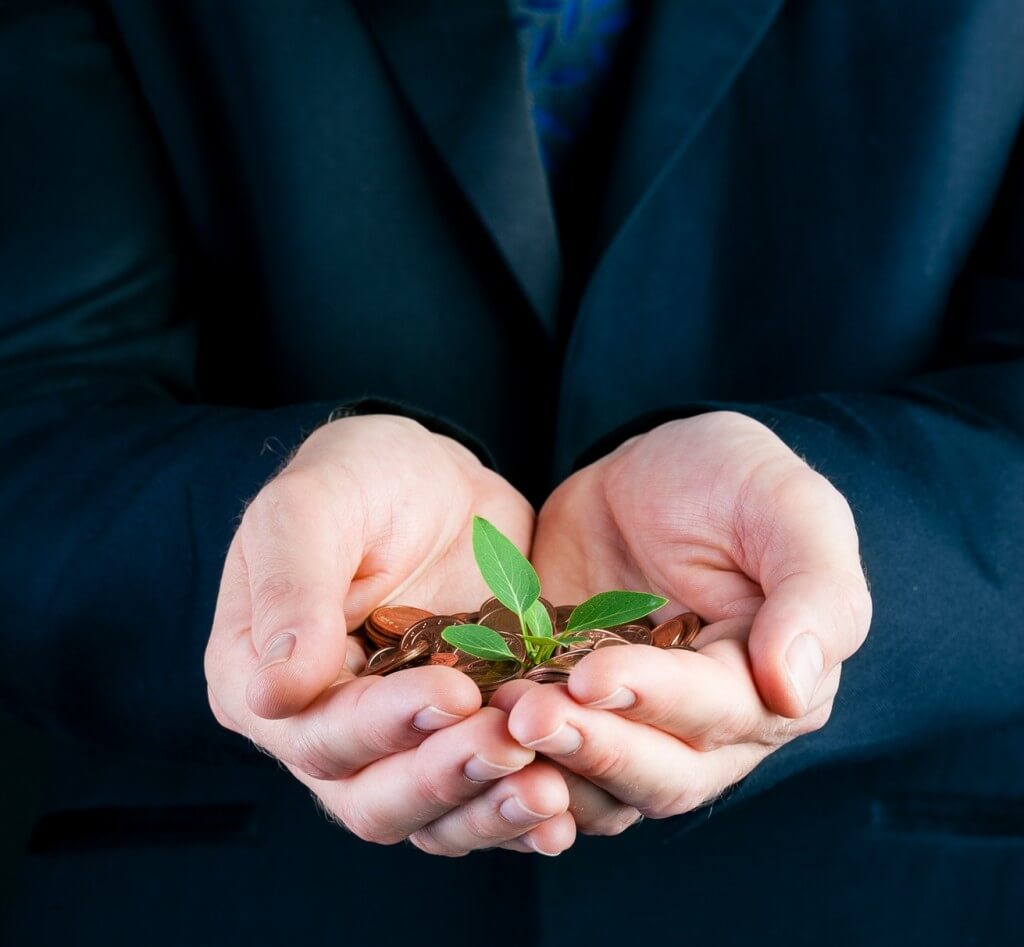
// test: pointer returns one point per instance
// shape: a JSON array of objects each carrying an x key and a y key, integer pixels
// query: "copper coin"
[
  {"x": 594, "y": 637},
  {"x": 547, "y": 673},
  {"x": 468, "y": 618},
  {"x": 562, "y": 613},
  {"x": 487, "y": 606},
  {"x": 693, "y": 626},
  {"x": 378, "y": 659},
  {"x": 677, "y": 631},
  {"x": 558, "y": 666},
  {"x": 547, "y": 676},
  {"x": 633, "y": 633},
  {"x": 378, "y": 640},
  {"x": 515, "y": 644},
  {"x": 668, "y": 633},
  {"x": 609, "y": 642},
  {"x": 502, "y": 620},
  {"x": 429, "y": 630},
  {"x": 445, "y": 658},
  {"x": 410, "y": 656},
  {"x": 391, "y": 659},
  {"x": 387, "y": 624},
  {"x": 489, "y": 675},
  {"x": 568, "y": 659}
]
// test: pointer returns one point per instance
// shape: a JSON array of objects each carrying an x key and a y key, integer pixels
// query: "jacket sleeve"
[
  {"x": 119, "y": 490},
  {"x": 934, "y": 473}
]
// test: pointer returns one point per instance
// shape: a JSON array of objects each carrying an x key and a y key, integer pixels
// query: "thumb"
[
  {"x": 300, "y": 564},
  {"x": 817, "y": 608}
]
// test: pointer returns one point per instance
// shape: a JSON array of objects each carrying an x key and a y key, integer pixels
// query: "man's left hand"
[{"x": 722, "y": 518}]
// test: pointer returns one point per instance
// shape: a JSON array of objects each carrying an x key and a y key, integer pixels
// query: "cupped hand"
[
  {"x": 719, "y": 516},
  {"x": 371, "y": 510}
]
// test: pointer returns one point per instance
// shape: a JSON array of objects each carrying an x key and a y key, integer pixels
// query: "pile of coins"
[{"x": 404, "y": 637}]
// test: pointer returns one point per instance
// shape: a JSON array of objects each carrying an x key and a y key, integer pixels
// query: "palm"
[{"x": 665, "y": 514}]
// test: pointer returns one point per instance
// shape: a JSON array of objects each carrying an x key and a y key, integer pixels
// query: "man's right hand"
[{"x": 371, "y": 510}]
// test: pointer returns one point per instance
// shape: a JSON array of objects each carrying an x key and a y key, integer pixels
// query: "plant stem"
[{"x": 527, "y": 645}]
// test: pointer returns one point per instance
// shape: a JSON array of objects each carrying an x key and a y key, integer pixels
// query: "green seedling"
[{"x": 514, "y": 582}]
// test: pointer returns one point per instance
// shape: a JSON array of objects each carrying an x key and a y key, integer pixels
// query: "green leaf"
[
  {"x": 539, "y": 649},
  {"x": 478, "y": 641},
  {"x": 571, "y": 639},
  {"x": 540, "y": 640},
  {"x": 539, "y": 621},
  {"x": 507, "y": 572},
  {"x": 607, "y": 609}
]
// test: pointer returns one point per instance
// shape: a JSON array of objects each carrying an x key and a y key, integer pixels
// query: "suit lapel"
[
  {"x": 457, "y": 63},
  {"x": 688, "y": 57}
]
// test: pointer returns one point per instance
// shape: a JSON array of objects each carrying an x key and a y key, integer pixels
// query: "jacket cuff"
[{"x": 430, "y": 421}]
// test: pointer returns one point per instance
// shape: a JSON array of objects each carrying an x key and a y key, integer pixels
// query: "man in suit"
[{"x": 733, "y": 292}]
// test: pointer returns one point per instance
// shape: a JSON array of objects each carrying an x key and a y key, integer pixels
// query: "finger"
[
  {"x": 707, "y": 698},
  {"x": 505, "y": 697},
  {"x": 595, "y": 811},
  {"x": 355, "y": 659},
  {"x": 394, "y": 797},
  {"x": 300, "y": 563},
  {"x": 638, "y": 764},
  {"x": 817, "y": 608},
  {"x": 511, "y": 808},
  {"x": 356, "y": 722},
  {"x": 229, "y": 657},
  {"x": 684, "y": 693},
  {"x": 549, "y": 838},
  {"x": 808, "y": 625}
]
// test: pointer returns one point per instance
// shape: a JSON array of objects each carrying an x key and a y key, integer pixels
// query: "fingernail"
[
  {"x": 512, "y": 810},
  {"x": 480, "y": 770},
  {"x": 563, "y": 741},
  {"x": 618, "y": 699},
  {"x": 805, "y": 662},
  {"x": 431, "y": 718},
  {"x": 278, "y": 650},
  {"x": 540, "y": 851}
]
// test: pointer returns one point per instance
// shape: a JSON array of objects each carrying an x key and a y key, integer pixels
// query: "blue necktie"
[{"x": 568, "y": 50}]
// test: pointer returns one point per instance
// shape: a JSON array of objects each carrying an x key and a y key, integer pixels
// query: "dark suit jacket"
[{"x": 218, "y": 221}]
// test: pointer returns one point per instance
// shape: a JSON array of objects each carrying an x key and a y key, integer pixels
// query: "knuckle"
[
  {"x": 400, "y": 422},
  {"x": 606, "y": 763},
  {"x": 368, "y": 827},
  {"x": 478, "y": 827},
  {"x": 800, "y": 487},
  {"x": 290, "y": 491},
  {"x": 377, "y": 738},
  {"x": 851, "y": 611},
  {"x": 370, "y": 728},
  {"x": 273, "y": 593},
  {"x": 711, "y": 739},
  {"x": 435, "y": 790},
  {"x": 735, "y": 725},
  {"x": 672, "y": 804},
  {"x": 311, "y": 754}
]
